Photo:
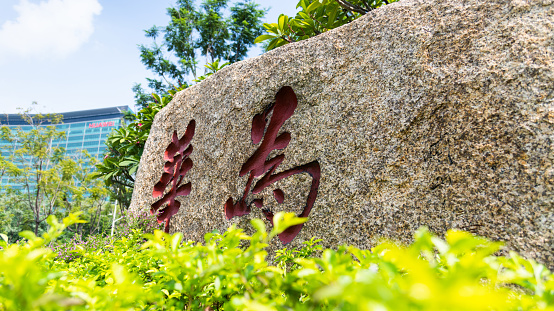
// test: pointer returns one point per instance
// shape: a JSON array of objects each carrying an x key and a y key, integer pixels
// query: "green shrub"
[{"x": 229, "y": 271}]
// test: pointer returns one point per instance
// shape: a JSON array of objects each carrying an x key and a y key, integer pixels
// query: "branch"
[
  {"x": 317, "y": 32},
  {"x": 128, "y": 176},
  {"x": 97, "y": 217},
  {"x": 38, "y": 202},
  {"x": 53, "y": 201},
  {"x": 122, "y": 183},
  {"x": 352, "y": 7},
  {"x": 367, "y": 6},
  {"x": 29, "y": 199}
]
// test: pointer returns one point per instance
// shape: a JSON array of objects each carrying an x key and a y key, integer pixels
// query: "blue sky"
[{"x": 81, "y": 54}]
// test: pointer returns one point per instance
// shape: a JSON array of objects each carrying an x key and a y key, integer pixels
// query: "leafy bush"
[
  {"x": 285, "y": 258},
  {"x": 125, "y": 146},
  {"x": 142, "y": 222},
  {"x": 229, "y": 271},
  {"x": 315, "y": 17}
]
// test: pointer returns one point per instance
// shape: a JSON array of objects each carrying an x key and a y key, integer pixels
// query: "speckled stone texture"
[{"x": 421, "y": 113}]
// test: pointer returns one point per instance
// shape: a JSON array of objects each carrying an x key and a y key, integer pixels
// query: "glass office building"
[{"x": 85, "y": 130}]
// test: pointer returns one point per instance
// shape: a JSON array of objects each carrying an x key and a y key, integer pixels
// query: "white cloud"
[{"x": 52, "y": 28}]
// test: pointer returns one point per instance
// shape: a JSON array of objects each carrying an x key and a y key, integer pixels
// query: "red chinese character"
[
  {"x": 176, "y": 166},
  {"x": 258, "y": 164}
]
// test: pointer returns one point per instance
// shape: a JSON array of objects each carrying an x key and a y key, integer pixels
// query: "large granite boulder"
[{"x": 421, "y": 113}]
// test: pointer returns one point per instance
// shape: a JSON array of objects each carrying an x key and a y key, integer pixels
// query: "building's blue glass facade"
[{"x": 85, "y": 130}]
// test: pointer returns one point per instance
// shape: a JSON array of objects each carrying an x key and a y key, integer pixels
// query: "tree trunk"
[{"x": 37, "y": 223}]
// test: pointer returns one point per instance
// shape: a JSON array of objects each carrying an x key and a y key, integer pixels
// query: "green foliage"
[
  {"x": 89, "y": 196},
  {"x": 244, "y": 27},
  {"x": 314, "y": 18},
  {"x": 191, "y": 32},
  {"x": 25, "y": 271},
  {"x": 49, "y": 182},
  {"x": 125, "y": 146},
  {"x": 285, "y": 258},
  {"x": 15, "y": 216},
  {"x": 211, "y": 69},
  {"x": 229, "y": 271},
  {"x": 194, "y": 32},
  {"x": 129, "y": 225}
]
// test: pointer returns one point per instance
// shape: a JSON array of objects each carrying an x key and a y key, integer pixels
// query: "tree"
[
  {"x": 194, "y": 32},
  {"x": 191, "y": 33},
  {"x": 14, "y": 216},
  {"x": 314, "y": 18},
  {"x": 125, "y": 146},
  {"x": 244, "y": 28},
  {"x": 47, "y": 181},
  {"x": 89, "y": 196},
  {"x": 37, "y": 166}
]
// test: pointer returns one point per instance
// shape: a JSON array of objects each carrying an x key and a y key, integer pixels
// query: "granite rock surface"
[{"x": 435, "y": 113}]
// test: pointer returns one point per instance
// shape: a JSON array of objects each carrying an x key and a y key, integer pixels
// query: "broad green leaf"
[
  {"x": 126, "y": 163},
  {"x": 282, "y": 221},
  {"x": 133, "y": 169},
  {"x": 263, "y": 38},
  {"x": 332, "y": 17},
  {"x": 176, "y": 240},
  {"x": 314, "y": 5},
  {"x": 29, "y": 235},
  {"x": 283, "y": 19},
  {"x": 4, "y": 237}
]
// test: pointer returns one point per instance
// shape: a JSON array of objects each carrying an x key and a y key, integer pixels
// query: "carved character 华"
[{"x": 176, "y": 167}]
